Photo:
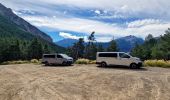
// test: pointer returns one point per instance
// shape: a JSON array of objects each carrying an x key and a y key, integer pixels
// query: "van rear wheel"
[
  {"x": 46, "y": 63},
  {"x": 103, "y": 64}
]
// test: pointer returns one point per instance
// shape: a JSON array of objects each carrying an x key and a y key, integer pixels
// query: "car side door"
[
  {"x": 59, "y": 59},
  {"x": 124, "y": 59}
]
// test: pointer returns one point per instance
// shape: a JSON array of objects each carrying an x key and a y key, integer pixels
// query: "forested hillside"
[
  {"x": 16, "y": 44},
  {"x": 154, "y": 48}
]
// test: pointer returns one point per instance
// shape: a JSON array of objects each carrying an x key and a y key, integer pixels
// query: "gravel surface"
[{"x": 83, "y": 82}]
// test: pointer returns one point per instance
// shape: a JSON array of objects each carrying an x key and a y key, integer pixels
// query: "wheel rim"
[
  {"x": 103, "y": 64},
  {"x": 133, "y": 65}
]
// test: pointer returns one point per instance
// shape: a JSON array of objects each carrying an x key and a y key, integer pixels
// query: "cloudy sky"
[{"x": 108, "y": 18}]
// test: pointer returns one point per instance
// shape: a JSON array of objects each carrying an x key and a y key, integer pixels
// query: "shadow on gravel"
[
  {"x": 123, "y": 68},
  {"x": 56, "y": 65}
]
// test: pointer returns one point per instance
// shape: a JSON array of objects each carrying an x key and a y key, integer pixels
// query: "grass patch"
[
  {"x": 85, "y": 61},
  {"x": 157, "y": 63}
]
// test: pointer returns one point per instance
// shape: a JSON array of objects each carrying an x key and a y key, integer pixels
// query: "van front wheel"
[
  {"x": 133, "y": 66},
  {"x": 103, "y": 64}
]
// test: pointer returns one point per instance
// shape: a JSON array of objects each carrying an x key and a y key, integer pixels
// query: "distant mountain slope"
[
  {"x": 125, "y": 44},
  {"x": 66, "y": 42},
  {"x": 22, "y": 24},
  {"x": 10, "y": 30}
]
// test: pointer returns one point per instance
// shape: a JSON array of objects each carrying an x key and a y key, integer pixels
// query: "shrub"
[
  {"x": 85, "y": 61},
  {"x": 157, "y": 63},
  {"x": 82, "y": 61},
  {"x": 15, "y": 62},
  {"x": 35, "y": 61}
]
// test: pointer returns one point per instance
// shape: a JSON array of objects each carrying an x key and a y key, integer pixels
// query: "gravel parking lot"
[{"x": 83, "y": 82}]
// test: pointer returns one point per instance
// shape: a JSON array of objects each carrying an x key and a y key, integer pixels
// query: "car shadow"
[
  {"x": 57, "y": 65},
  {"x": 123, "y": 68}
]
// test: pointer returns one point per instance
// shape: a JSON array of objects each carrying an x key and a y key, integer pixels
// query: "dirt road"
[{"x": 83, "y": 82}]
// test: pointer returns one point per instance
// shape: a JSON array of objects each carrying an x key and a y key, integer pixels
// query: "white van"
[
  {"x": 117, "y": 58},
  {"x": 57, "y": 59}
]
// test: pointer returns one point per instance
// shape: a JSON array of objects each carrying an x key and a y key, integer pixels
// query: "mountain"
[
  {"x": 125, "y": 44},
  {"x": 66, "y": 42},
  {"x": 13, "y": 27},
  {"x": 22, "y": 24}
]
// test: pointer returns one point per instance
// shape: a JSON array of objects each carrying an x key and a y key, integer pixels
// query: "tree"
[
  {"x": 100, "y": 48},
  {"x": 77, "y": 50},
  {"x": 147, "y": 38},
  {"x": 35, "y": 49},
  {"x": 91, "y": 48},
  {"x": 112, "y": 47},
  {"x": 46, "y": 49}
]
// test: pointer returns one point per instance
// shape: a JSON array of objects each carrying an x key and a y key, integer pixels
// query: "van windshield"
[
  {"x": 123, "y": 55},
  {"x": 64, "y": 55}
]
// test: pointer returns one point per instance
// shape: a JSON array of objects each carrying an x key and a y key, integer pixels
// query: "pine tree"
[
  {"x": 46, "y": 49},
  {"x": 35, "y": 49},
  {"x": 112, "y": 47},
  {"x": 100, "y": 48}
]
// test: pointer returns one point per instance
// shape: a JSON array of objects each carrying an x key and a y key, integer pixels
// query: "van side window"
[
  {"x": 108, "y": 55},
  {"x": 123, "y": 55},
  {"x": 59, "y": 56},
  {"x": 49, "y": 56}
]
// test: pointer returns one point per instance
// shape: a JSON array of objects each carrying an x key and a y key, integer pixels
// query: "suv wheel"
[
  {"x": 103, "y": 64},
  {"x": 133, "y": 66}
]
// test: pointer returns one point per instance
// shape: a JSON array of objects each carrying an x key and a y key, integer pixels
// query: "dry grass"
[
  {"x": 34, "y": 61},
  {"x": 85, "y": 61},
  {"x": 157, "y": 63}
]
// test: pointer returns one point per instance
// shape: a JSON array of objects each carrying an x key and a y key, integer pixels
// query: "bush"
[
  {"x": 15, "y": 62},
  {"x": 157, "y": 63},
  {"x": 85, "y": 61},
  {"x": 35, "y": 61}
]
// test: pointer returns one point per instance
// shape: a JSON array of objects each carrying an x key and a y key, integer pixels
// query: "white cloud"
[
  {"x": 130, "y": 8},
  {"x": 97, "y": 12},
  {"x": 154, "y": 14},
  {"x": 140, "y": 23},
  {"x": 102, "y": 29},
  {"x": 68, "y": 35}
]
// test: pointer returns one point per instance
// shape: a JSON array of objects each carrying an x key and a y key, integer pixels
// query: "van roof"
[{"x": 111, "y": 52}]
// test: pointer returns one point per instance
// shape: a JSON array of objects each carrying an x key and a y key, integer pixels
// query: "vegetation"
[
  {"x": 33, "y": 61},
  {"x": 154, "y": 48},
  {"x": 17, "y": 44},
  {"x": 89, "y": 50},
  {"x": 85, "y": 61},
  {"x": 157, "y": 63}
]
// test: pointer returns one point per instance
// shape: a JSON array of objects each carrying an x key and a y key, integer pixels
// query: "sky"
[{"x": 108, "y": 18}]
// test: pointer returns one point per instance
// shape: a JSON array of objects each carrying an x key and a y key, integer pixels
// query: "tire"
[
  {"x": 133, "y": 66},
  {"x": 46, "y": 63},
  {"x": 103, "y": 64},
  {"x": 64, "y": 63}
]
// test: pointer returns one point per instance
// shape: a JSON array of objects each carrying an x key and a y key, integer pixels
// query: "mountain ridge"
[
  {"x": 124, "y": 43},
  {"x": 22, "y": 24}
]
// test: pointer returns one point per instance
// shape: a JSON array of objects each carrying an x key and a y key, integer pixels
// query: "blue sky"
[{"x": 108, "y": 18}]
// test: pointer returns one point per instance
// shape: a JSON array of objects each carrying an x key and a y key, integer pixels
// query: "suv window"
[
  {"x": 59, "y": 56},
  {"x": 123, "y": 55},
  {"x": 49, "y": 56},
  {"x": 108, "y": 55}
]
